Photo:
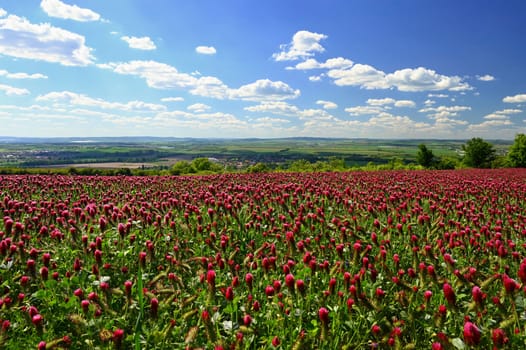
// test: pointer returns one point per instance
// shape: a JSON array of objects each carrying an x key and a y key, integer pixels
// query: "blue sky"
[{"x": 241, "y": 68}]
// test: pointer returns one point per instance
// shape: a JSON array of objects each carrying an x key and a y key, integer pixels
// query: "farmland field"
[
  {"x": 401, "y": 259},
  {"x": 159, "y": 152}
]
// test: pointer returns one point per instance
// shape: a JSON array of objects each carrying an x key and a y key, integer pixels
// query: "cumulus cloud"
[
  {"x": 496, "y": 116},
  {"x": 364, "y": 110},
  {"x": 58, "y": 9},
  {"x": 429, "y": 102},
  {"x": 142, "y": 43},
  {"x": 486, "y": 77},
  {"x": 405, "y": 104},
  {"x": 75, "y": 99},
  {"x": 345, "y": 72},
  {"x": 42, "y": 42},
  {"x": 327, "y": 104},
  {"x": 390, "y": 101},
  {"x": 3, "y": 12},
  {"x": 422, "y": 79},
  {"x": 380, "y": 101},
  {"x": 444, "y": 111},
  {"x": 304, "y": 44},
  {"x": 264, "y": 89},
  {"x": 163, "y": 76},
  {"x": 13, "y": 91},
  {"x": 8, "y": 75},
  {"x": 437, "y": 95},
  {"x": 206, "y": 50},
  {"x": 172, "y": 99},
  {"x": 331, "y": 63},
  {"x": 198, "y": 107},
  {"x": 361, "y": 75},
  {"x": 488, "y": 127},
  {"x": 509, "y": 111},
  {"x": 521, "y": 98},
  {"x": 274, "y": 107}
]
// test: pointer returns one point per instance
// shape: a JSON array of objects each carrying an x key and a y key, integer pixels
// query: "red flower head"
[
  {"x": 499, "y": 337},
  {"x": 449, "y": 294},
  {"x": 510, "y": 284},
  {"x": 289, "y": 281},
  {"x": 229, "y": 293},
  {"x": 323, "y": 313},
  {"x": 477, "y": 294},
  {"x": 471, "y": 333},
  {"x": 249, "y": 278},
  {"x": 211, "y": 277}
]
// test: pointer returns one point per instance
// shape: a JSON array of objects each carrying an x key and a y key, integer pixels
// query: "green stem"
[{"x": 138, "y": 324}]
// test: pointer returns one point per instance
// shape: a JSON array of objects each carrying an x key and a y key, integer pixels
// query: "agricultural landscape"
[
  {"x": 246, "y": 175},
  {"x": 403, "y": 259}
]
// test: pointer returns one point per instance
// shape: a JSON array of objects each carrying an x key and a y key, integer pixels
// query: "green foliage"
[
  {"x": 425, "y": 156},
  {"x": 517, "y": 153},
  {"x": 446, "y": 163},
  {"x": 182, "y": 167},
  {"x": 478, "y": 153},
  {"x": 197, "y": 166},
  {"x": 258, "y": 168}
]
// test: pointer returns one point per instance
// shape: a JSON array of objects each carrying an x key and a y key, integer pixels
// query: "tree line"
[{"x": 477, "y": 153}]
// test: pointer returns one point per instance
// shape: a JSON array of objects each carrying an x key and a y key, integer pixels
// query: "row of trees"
[{"x": 478, "y": 153}]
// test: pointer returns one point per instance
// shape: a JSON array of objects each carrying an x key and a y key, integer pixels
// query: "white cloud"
[
  {"x": 412, "y": 80},
  {"x": 315, "y": 78},
  {"x": 58, "y": 9},
  {"x": 198, "y": 107},
  {"x": 157, "y": 75},
  {"x": 437, "y": 95},
  {"x": 344, "y": 72},
  {"x": 429, "y": 102},
  {"x": 142, "y": 43},
  {"x": 274, "y": 107},
  {"x": 13, "y": 91},
  {"x": 331, "y": 63},
  {"x": 3, "y": 12},
  {"x": 444, "y": 111},
  {"x": 390, "y": 101},
  {"x": 163, "y": 76},
  {"x": 361, "y": 75},
  {"x": 364, "y": 110},
  {"x": 206, "y": 50},
  {"x": 405, "y": 104},
  {"x": 172, "y": 99},
  {"x": 327, "y": 104},
  {"x": 496, "y": 116},
  {"x": 515, "y": 99},
  {"x": 422, "y": 79},
  {"x": 8, "y": 75},
  {"x": 380, "y": 101},
  {"x": 488, "y": 127},
  {"x": 486, "y": 77},
  {"x": 72, "y": 98},
  {"x": 304, "y": 44},
  {"x": 509, "y": 111},
  {"x": 264, "y": 89},
  {"x": 42, "y": 42}
]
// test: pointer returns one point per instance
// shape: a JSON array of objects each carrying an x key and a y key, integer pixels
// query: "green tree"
[
  {"x": 258, "y": 168},
  {"x": 182, "y": 167},
  {"x": 517, "y": 152},
  {"x": 425, "y": 156},
  {"x": 205, "y": 165},
  {"x": 478, "y": 153}
]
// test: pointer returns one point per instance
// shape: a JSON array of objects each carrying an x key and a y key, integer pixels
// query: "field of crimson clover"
[{"x": 401, "y": 259}]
